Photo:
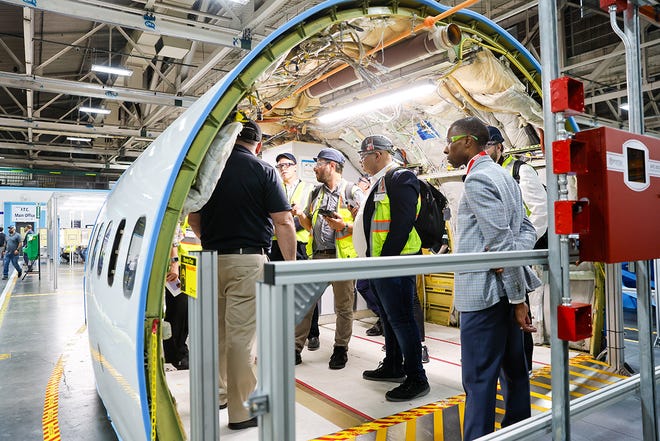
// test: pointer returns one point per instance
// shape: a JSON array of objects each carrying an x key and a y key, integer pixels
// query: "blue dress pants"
[
  {"x": 491, "y": 347},
  {"x": 395, "y": 297}
]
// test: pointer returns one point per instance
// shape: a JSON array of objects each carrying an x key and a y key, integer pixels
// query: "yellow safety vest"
[
  {"x": 299, "y": 197},
  {"x": 343, "y": 239},
  {"x": 380, "y": 225}
]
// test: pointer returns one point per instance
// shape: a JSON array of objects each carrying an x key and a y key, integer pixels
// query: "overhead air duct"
[{"x": 417, "y": 48}]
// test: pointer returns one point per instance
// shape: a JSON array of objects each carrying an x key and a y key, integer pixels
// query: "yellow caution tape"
[{"x": 152, "y": 375}]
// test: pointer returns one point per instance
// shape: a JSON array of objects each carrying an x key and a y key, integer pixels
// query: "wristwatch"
[{"x": 175, "y": 259}]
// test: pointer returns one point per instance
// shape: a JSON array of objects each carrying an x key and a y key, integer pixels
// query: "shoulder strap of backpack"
[
  {"x": 389, "y": 174},
  {"x": 516, "y": 170}
]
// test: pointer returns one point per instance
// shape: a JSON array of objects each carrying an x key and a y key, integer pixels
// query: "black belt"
[
  {"x": 246, "y": 250},
  {"x": 326, "y": 252}
]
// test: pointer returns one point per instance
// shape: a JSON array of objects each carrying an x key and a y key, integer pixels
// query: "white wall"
[{"x": 304, "y": 153}]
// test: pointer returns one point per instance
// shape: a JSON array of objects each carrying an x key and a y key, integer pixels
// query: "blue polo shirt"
[{"x": 238, "y": 213}]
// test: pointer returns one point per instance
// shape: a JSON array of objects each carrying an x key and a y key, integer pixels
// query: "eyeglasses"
[
  {"x": 321, "y": 163},
  {"x": 453, "y": 139},
  {"x": 284, "y": 165},
  {"x": 366, "y": 153}
]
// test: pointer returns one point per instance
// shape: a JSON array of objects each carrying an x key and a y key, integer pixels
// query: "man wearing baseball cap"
[
  {"x": 328, "y": 217},
  {"x": 13, "y": 248},
  {"x": 237, "y": 222},
  {"x": 396, "y": 206}
]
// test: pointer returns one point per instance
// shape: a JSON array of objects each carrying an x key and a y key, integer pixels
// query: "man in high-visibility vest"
[
  {"x": 384, "y": 226},
  {"x": 328, "y": 218},
  {"x": 297, "y": 192}
]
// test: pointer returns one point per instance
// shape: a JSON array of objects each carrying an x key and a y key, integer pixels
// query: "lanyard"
[{"x": 474, "y": 158}]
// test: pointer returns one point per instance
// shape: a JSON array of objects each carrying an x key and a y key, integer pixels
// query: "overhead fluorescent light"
[
  {"x": 73, "y": 138},
  {"x": 112, "y": 70},
  {"x": 378, "y": 102},
  {"x": 240, "y": 2},
  {"x": 94, "y": 110},
  {"x": 624, "y": 106}
]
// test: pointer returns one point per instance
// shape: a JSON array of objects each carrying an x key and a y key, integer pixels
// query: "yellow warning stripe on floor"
[
  {"x": 583, "y": 366},
  {"x": 379, "y": 424},
  {"x": 50, "y": 418}
]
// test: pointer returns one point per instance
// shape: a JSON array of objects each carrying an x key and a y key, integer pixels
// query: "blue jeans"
[
  {"x": 395, "y": 298},
  {"x": 13, "y": 258}
]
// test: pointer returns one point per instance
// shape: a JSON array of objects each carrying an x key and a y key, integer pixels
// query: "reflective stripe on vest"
[{"x": 380, "y": 225}]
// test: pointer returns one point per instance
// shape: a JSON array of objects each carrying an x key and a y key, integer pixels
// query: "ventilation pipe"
[{"x": 421, "y": 46}]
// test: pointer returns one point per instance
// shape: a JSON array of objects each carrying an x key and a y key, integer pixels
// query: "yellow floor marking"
[
  {"x": 381, "y": 435},
  {"x": 599, "y": 371},
  {"x": 50, "y": 418},
  {"x": 46, "y": 294},
  {"x": 596, "y": 379},
  {"x": 539, "y": 408},
  {"x": 5, "y": 356},
  {"x": 438, "y": 426},
  {"x": 411, "y": 430}
]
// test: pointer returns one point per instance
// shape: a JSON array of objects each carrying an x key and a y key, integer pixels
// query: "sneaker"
[
  {"x": 339, "y": 358},
  {"x": 298, "y": 358},
  {"x": 182, "y": 365},
  {"x": 252, "y": 422},
  {"x": 409, "y": 390},
  {"x": 425, "y": 354},
  {"x": 20, "y": 273},
  {"x": 382, "y": 374},
  {"x": 375, "y": 330},
  {"x": 4, "y": 277},
  {"x": 313, "y": 343}
]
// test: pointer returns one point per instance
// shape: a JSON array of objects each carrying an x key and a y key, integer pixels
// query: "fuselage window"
[
  {"x": 115, "y": 252},
  {"x": 95, "y": 246},
  {"x": 133, "y": 256},
  {"x": 106, "y": 238}
]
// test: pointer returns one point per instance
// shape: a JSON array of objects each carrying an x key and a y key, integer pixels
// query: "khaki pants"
[
  {"x": 237, "y": 276},
  {"x": 344, "y": 293}
]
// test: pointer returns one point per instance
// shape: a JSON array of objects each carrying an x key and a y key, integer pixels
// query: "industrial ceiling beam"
[
  {"x": 619, "y": 94},
  {"x": 43, "y": 84},
  {"x": 154, "y": 23},
  {"x": 79, "y": 150},
  {"x": 38, "y": 126}
]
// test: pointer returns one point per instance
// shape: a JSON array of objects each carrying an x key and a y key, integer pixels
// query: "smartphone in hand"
[{"x": 328, "y": 213}]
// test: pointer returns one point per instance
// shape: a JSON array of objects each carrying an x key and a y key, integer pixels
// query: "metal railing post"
[
  {"x": 203, "y": 357},
  {"x": 274, "y": 400}
]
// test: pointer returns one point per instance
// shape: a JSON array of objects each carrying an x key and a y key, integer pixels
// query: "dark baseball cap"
[
  {"x": 376, "y": 142},
  {"x": 286, "y": 155},
  {"x": 251, "y": 131},
  {"x": 331, "y": 155},
  {"x": 494, "y": 135}
]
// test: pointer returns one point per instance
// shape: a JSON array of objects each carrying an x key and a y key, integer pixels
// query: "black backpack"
[{"x": 430, "y": 222}]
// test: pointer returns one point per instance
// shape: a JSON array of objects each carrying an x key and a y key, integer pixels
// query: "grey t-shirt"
[
  {"x": 323, "y": 235},
  {"x": 13, "y": 242}
]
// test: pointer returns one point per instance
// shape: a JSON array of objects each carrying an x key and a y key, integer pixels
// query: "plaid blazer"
[{"x": 491, "y": 217}]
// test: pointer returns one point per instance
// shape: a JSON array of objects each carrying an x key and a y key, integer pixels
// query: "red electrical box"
[
  {"x": 622, "y": 188},
  {"x": 621, "y": 5},
  {"x": 566, "y": 95},
  {"x": 574, "y": 321}
]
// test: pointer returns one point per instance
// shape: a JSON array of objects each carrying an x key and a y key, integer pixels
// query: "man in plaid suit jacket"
[{"x": 491, "y": 217}]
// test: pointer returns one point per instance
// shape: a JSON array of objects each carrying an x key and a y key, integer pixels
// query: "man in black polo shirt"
[{"x": 237, "y": 222}]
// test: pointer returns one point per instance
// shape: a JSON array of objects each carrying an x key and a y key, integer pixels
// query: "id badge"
[{"x": 379, "y": 196}]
